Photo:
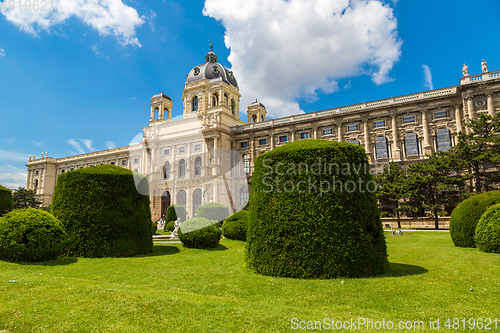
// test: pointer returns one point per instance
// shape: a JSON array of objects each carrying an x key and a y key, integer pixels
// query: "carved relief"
[{"x": 480, "y": 103}]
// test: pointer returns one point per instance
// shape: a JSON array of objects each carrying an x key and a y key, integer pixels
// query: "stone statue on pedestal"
[
  {"x": 484, "y": 66},
  {"x": 177, "y": 224},
  {"x": 465, "y": 70}
]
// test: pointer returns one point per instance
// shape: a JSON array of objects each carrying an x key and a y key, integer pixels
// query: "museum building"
[{"x": 208, "y": 154}]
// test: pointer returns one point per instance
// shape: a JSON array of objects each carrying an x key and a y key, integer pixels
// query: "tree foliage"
[{"x": 23, "y": 198}]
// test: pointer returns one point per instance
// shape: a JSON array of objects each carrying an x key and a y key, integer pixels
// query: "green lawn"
[{"x": 185, "y": 290}]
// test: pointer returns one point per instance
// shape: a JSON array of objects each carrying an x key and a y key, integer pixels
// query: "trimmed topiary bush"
[
  {"x": 31, "y": 235},
  {"x": 103, "y": 212},
  {"x": 213, "y": 211},
  {"x": 488, "y": 230},
  {"x": 174, "y": 212},
  {"x": 199, "y": 233},
  {"x": 170, "y": 226},
  {"x": 466, "y": 215},
  {"x": 314, "y": 214},
  {"x": 235, "y": 226},
  {"x": 154, "y": 228},
  {"x": 5, "y": 200}
]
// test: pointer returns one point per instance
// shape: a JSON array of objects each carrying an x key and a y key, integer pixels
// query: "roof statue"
[
  {"x": 465, "y": 70},
  {"x": 484, "y": 66}
]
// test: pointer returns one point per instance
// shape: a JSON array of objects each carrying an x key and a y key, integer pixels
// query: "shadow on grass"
[
  {"x": 58, "y": 262},
  {"x": 397, "y": 270},
  {"x": 219, "y": 247},
  {"x": 161, "y": 250}
]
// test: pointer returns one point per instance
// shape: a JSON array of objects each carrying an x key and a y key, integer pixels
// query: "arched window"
[
  {"x": 246, "y": 163},
  {"x": 181, "y": 198},
  {"x": 215, "y": 99},
  {"x": 194, "y": 104},
  {"x": 254, "y": 118},
  {"x": 233, "y": 106},
  {"x": 165, "y": 202},
  {"x": 166, "y": 170},
  {"x": 244, "y": 195},
  {"x": 197, "y": 167},
  {"x": 411, "y": 144},
  {"x": 226, "y": 100},
  {"x": 196, "y": 200},
  {"x": 182, "y": 169},
  {"x": 165, "y": 114},
  {"x": 156, "y": 114}
]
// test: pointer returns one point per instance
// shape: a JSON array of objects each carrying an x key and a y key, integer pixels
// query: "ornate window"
[
  {"x": 244, "y": 196},
  {"x": 233, "y": 106},
  {"x": 194, "y": 104},
  {"x": 381, "y": 147},
  {"x": 166, "y": 170},
  {"x": 262, "y": 142},
  {"x": 408, "y": 119},
  {"x": 327, "y": 131},
  {"x": 244, "y": 144},
  {"x": 379, "y": 123},
  {"x": 215, "y": 99},
  {"x": 443, "y": 140},
  {"x": 182, "y": 169},
  {"x": 304, "y": 135},
  {"x": 246, "y": 163},
  {"x": 354, "y": 142},
  {"x": 283, "y": 138},
  {"x": 352, "y": 128},
  {"x": 197, "y": 167},
  {"x": 411, "y": 144},
  {"x": 440, "y": 114}
]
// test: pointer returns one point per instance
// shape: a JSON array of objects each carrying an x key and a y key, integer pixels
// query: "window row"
[
  {"x": 182, "y": 168},
  {"x": 214, "y": 101}
]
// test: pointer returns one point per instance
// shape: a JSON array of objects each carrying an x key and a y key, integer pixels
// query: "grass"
[{"x": 187, "y": 290}]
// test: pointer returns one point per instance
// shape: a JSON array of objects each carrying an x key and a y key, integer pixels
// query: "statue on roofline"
[
  {"x": 465, "y": 70},
  {"x": 484, "y": 66}
]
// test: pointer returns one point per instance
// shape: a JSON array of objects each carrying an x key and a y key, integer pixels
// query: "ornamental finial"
[{"x": 211, "y": 46}]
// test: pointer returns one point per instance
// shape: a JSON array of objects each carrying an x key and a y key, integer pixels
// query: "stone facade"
[{"x": 208, "y": 154}]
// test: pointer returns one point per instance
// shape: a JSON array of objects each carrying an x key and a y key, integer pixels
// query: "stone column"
[
  {"x": 252, "y": 154},
  {"x": 470, "y": 108},
  {"x": 216, "y": 157},
  {"x": 425, "y": 126},
  {"x": 293, "y": 135},
  {"x": 340, "y": 134},
  {"x": 315, "y": 133},
  {"x": 272, "y": 139},
  {"x": 491, "y": 110},
  {"x": 458, "y": 119},
  {"x": 367, "y": 141},
  {"x": 396, "y": 152}
]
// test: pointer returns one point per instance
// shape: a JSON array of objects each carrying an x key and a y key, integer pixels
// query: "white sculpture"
[
  {"x": 484, "y": 66},
  {"x": 177, "y": 224},
  {"x": 465, "y": 70}
]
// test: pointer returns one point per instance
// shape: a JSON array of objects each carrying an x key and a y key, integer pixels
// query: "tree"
[
  {"x": 434, "y": 183},
  {"x": 23, "y": 198},
  {"x": 478, "y": 151},
  {"x": 392, "y": 189}
]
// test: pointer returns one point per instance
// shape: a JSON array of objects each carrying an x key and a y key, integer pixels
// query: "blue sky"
[{"x": 79, "y": 77}]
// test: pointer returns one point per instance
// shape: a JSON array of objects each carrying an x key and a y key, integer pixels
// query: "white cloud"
[
  {"x": 427, "y": 77},
  {"x": 108, "y": 17},
  {"x": 283, "y": 50},
  {"x": 13, "y": 156},
  {"x": 87, "y": 143},
  {"x": 110, "y": 145},
  {"x": 2, "y": 53},
  {"x": 37, "y": 143},
  {"x": 75, "y": 144},
  {"x": 12, "y": 177}
]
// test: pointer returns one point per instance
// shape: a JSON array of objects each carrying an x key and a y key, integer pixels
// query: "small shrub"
[
  {"x": 103, "y": 212},
  {"x": 213, "y": 211},
  {"x": 170, "y": 226},
  {"x": 154, "y": 228},
  {"x": 5, "y": 200},
  {"x": 488, "y": 230},
  {"x": 235, "y": 226},
  {"x": 199, "y": 233},
  {"x": 30, "y": 235},
  {"x": 466, "y": 215},
  {"x": 174, "y": 212}
]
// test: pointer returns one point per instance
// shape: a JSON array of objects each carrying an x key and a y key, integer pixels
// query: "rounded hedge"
[
  {"x": 213, "y": 211},
  {"x": 170, "y": 226},
  {"x": 199, "y": 233},
  {"x": 5, "y": 200},
  {"x": 31, "y": 234},
  {"x": 154, "y": 228},
  {"x": 103, "y": 212},
  {"x": 488, "y": 230},
  {"x": 301, "y": 228},
  {"x": 466, "y": 215},
  {"x": 235, "y": 226},
  {"x": 174, "y": 212}
]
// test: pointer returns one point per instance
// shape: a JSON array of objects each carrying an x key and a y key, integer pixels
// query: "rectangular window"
[
  {"x": 379, "y": 123},
  {"x": 440, "y": 114},
  {"x": 37, "y": 172},
  {"x": 283, "y": 138},
  {"x": 244, "y": 144},
  {"x": 443, "y": 140},
  {"x": 124, "y": 162},
  {"x": 263, "y": 142},
  {"x": 166, "y": 152},
  {"x": 411, "y": 144},
  {"x": 182, "y": 149},
  {"x": 381, "y": 147},
  {"x": 197, "y": 147},
  {"x": 327, "y": 131},
  {"x": 112, "y": 163},
  {"x": 408, "y": 119},
  {"x": 352, "y": 128},
  {"x": 136, "y": 160},
  {"x": 304, "y": 135},
  {"x": 354, "y": 142}
]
